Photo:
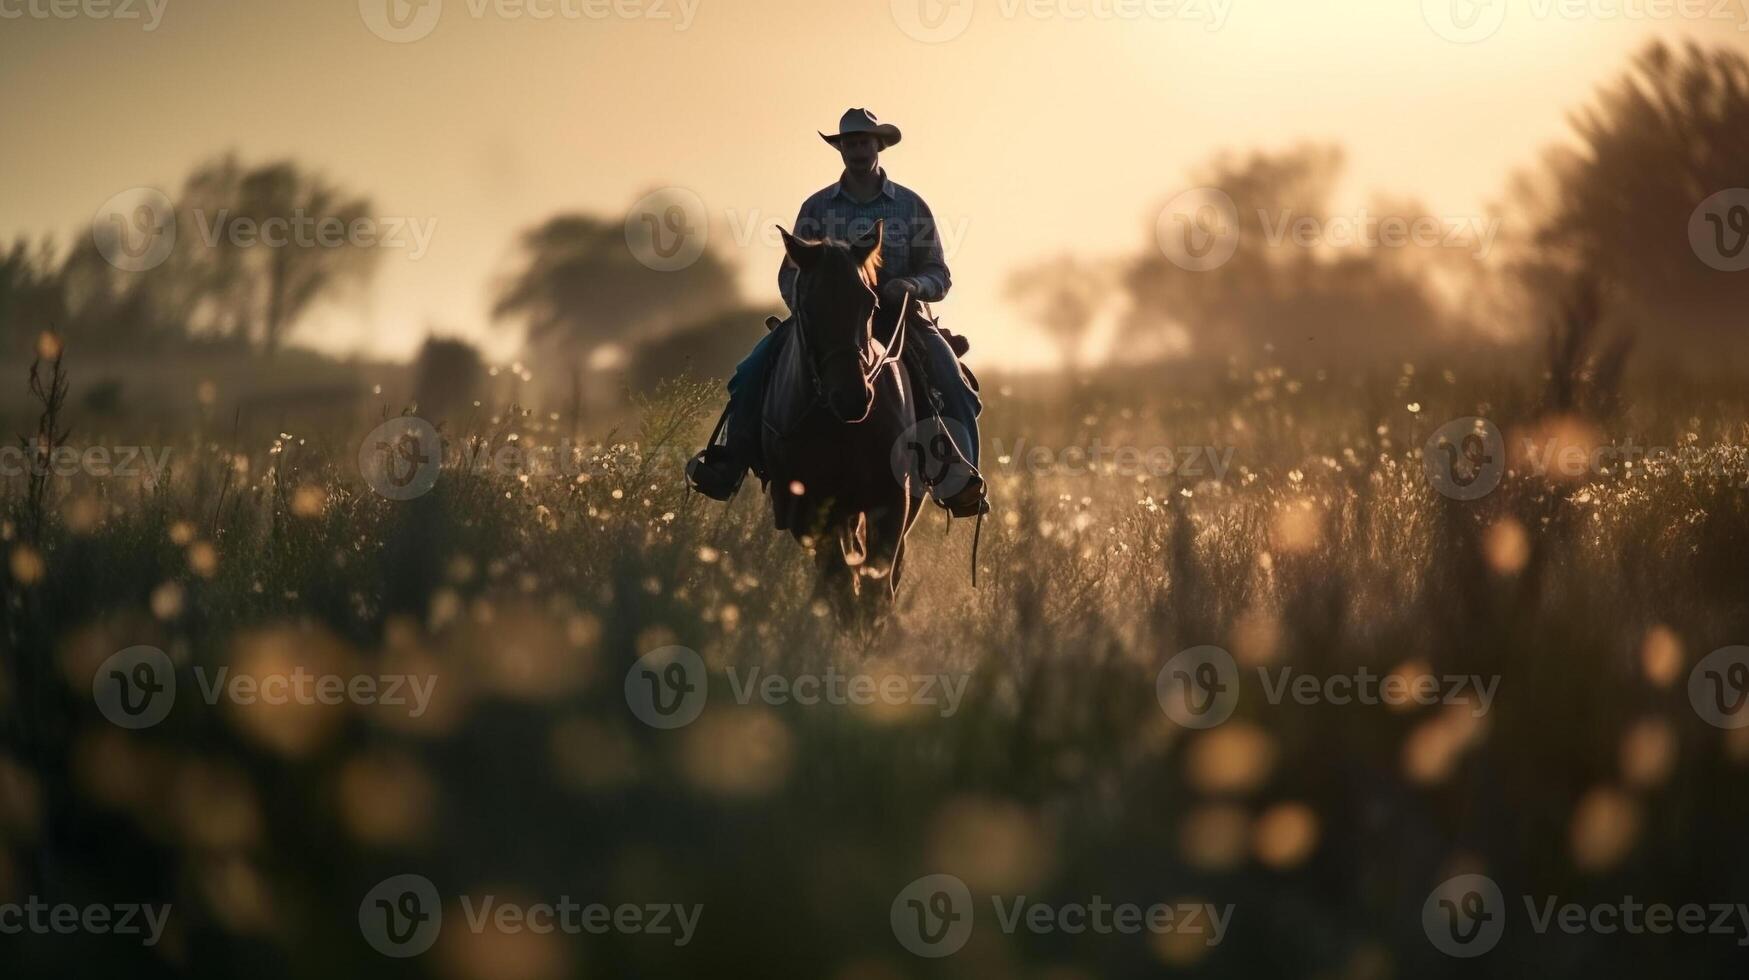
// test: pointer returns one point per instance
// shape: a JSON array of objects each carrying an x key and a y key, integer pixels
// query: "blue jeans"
[{"x": 747, "y": 391}]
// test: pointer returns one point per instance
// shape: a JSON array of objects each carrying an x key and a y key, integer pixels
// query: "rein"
[{"x": 872, "y": 371}]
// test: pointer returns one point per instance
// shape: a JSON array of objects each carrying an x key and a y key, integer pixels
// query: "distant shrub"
[{"x": 447, "y": 377}]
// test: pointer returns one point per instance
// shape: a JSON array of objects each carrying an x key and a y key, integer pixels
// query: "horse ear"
[
  {"x": 800, "y": 252},
  {"x": 870, "y": 243}
]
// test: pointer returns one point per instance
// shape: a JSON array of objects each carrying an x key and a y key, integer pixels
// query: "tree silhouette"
[
  {"x": 224, "y": 278},
  {"x": 1062, "y": 296},
  {"x": 31, "y": 300},
  {"x": 579, "y": 286},
  {"x": 1625, "y": 205},
  {"x": 1311, "y": 303},
  {"x": 258, "y": 288},
  {"x": 708, "y": 348},
  {"x": 447, "y": 376}
]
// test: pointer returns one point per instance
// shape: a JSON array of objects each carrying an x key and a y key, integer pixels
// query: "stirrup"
[
  {"x": 972, "y": 499},
  {"x": 714, "y": 473}
]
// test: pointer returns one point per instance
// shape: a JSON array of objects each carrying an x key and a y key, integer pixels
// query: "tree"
[
  {"x": 1317, "y": 302},
  {"x": 30, "y": 293},
  {"x": 708, "y": 348},
  {"x": 266, "y": 244},
  {"x": 1062, "y": 296},
  {"x": 579, "y": 286},
  {"x": 255, "y": 250},
  {"x": 1626, "y": 205},
  {"x": 448, "y": 375}
]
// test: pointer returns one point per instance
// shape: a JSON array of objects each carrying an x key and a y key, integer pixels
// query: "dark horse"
[{"x": 837, "y": 404}]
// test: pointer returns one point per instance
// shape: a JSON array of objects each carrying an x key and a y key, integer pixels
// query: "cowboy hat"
[{"x": 863, "y": 121}]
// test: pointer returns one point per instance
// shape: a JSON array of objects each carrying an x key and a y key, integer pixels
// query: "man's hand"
[{"x": 895, "y": 291}]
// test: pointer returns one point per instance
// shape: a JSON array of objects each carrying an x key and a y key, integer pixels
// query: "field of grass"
[{"x": 1308, "y": 537}]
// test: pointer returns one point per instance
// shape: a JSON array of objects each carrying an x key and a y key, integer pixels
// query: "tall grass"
[{"x": 1322, "y": 548}]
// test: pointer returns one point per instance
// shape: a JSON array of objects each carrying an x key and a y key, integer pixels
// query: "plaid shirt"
[{"x": 910, "y": 243}]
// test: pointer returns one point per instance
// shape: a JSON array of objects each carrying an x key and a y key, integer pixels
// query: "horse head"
[{"x": 835, "y": 307}]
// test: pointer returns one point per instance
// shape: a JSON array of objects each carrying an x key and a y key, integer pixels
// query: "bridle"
[{"x": 871, "y": 365}]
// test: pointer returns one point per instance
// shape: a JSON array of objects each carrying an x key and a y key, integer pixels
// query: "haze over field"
[{"x": 1032, "y": 128}]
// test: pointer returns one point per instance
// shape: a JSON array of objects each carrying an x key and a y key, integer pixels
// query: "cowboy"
[{"x": 911, "y": 264}]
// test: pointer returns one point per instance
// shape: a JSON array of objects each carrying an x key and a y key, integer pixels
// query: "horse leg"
[
  {"x": 886, "y": 552},
  {"x": 838, "y": 552}
]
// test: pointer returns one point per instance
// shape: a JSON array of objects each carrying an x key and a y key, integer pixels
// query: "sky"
[{"x": 1032, "y": 127}]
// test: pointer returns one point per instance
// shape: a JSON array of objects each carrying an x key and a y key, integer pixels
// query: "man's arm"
[{"x": 928, "y": 263}]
